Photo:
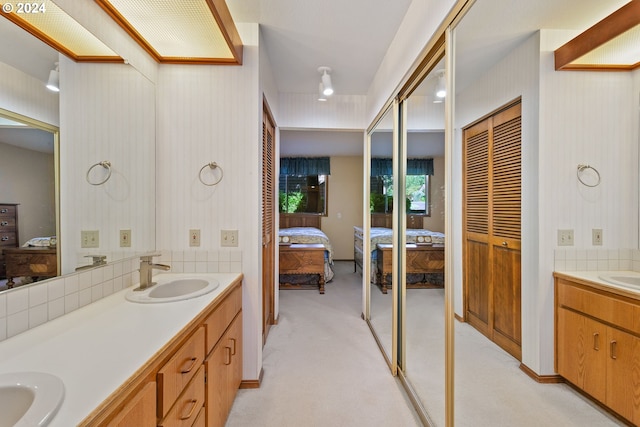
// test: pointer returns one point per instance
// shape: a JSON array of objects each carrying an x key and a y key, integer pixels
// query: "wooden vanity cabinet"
[
  {"x": 598, "y": 345},
  {"x": 180, "y": 387},
  {"x": 224, "y": 360}
]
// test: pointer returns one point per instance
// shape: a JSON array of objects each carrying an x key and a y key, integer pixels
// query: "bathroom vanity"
[
  {"x": 597, "y": 340},
  {"x": 124, "y": 363}
]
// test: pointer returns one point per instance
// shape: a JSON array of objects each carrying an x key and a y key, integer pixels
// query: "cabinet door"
[
  {"x": 223, "y": 365},
  {"x": 623, "y": 374},
  {"x": 582, "y": 352},
  {"x": 140, "y": 411}
]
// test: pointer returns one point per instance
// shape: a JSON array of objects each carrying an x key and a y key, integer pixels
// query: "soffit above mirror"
[
  {"x": 46, "y": 21},
  {"x": 196, "y": 32},
  {"x": 611, "y": 44}
]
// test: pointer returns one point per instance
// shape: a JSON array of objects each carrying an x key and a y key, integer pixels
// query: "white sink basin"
[
  {"x": 623, "y": 279},
  {"x": 172, "y": 287},
  {"x": 29, "y": 398}
]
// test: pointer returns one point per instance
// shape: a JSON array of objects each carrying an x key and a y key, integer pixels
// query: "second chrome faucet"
[{"x": 146, "y": 270}]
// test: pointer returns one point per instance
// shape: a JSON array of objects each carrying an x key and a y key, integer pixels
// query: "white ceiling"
[{"x": 353, "y": 36}]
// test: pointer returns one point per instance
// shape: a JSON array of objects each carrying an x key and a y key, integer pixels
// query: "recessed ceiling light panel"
[
  {"x": 200, "y": 31},
  {"x": 60, "y": 31}
]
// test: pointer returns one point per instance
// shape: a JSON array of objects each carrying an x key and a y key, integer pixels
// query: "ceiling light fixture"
[
  {"x": 326, "y": 81},
  {"x": 321, "y": 95},
  {"x": 53, "y": 84}
]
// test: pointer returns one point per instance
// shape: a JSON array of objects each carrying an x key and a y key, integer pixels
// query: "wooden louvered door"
[
  {"x": 268, "y": 220},
  {"x": 492, "y": 219}
]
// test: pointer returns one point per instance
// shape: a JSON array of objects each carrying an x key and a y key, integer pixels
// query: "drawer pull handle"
[
  {"x": 193, "y": 408},
  {"x": 228, "y": 356},
  {"x": 4, "y": 210},
  {"x": 4, "y": 238},
  {"x": 505, "y": 244},
  {"x": 3, "y": 223},
  {"x": 613, "y": 349},
  {"x": 233, "y": 350},
  {"x": 596, "y": 341},
  {"x": 193, "y": 364}
]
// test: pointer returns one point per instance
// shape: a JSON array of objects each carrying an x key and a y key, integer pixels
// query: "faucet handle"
[
  {"x": 97, "y": 259},
  {"x": 149, "y": 256}
]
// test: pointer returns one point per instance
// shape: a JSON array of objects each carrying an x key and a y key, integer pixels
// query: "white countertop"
[
  {"x": 95, "y": 349},
  {"x": 595, "y": 279}
]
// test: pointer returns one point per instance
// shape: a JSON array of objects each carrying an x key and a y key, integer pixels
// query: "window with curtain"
[
  {"x": 417, "y": 197},
  {"x": 303, "y": 184}
]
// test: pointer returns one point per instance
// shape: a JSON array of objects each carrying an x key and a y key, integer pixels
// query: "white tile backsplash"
[
  {"x": 596, "y": 259},
  {"x": 29, "y": 306}
]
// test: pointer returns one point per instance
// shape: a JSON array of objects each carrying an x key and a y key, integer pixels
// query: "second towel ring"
[
  {"x": 211, "y": 165},
  {"x": 582, "y": 168},
  {"x": 105, "y": 164}
]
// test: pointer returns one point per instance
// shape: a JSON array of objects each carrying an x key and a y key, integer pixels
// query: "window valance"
[
  {"x": 296, "y": 166},
  {"x": 384, "y": 166}
]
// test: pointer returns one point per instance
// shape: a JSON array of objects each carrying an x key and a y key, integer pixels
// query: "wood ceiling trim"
[
  {"x": 220, "y": 13},
  {"x": 45, "y": 38},
  {"x": 610, "y": 27}
]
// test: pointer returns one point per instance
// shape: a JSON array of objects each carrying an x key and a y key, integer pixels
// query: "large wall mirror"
[{"x": 103, "y": 113}]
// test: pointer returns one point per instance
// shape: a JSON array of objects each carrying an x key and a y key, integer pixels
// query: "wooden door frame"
[{"x": 267, "y": 115}]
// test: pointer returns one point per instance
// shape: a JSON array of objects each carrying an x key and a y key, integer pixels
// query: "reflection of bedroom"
[
  {"x": 344, "y": 186},
  {"x": 26, "y": 180}
]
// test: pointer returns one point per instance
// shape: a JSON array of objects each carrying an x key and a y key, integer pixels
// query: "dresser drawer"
[
  {"x": 174, "y": 376},
  {"x": 189, "y": 405},
  {"x": 222, "y": 316},
  {"x": 8, "y": 239},
  {"x": 7, "y": 211}
]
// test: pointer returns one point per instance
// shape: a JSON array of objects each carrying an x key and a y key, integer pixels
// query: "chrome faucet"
[
  {"x": 97, "y": 260},
  {"x": 146, "y": 269}
]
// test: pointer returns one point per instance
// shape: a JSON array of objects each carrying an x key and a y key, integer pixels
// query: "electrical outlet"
[
  {"x": 89, "y": 239},
  {"x": 596, "y": 237},
  {"x": 565, "y": 237},
  {"x": 194, "y": 237},
  {"x": 229, "y": 238},
  {"x": 125, "y": 238}
]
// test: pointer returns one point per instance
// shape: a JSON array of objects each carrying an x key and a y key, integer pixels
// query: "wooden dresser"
[{"x": 8, "y": 232}]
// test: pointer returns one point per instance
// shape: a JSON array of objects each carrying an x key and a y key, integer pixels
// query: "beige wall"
[
  {"x": 27, "y": 178},
  {"x": 435, "y": 222},
  {"x": 345, "y": 204}
]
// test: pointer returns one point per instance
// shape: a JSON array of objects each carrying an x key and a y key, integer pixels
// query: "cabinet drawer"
[
  {"x": 8, "y": 239},
  {"x": 201, "y": 420},
  {"x": 606, "y": 307},
  {"x": 220, "y": 319},
  {"x": 7, "y": 211},
  {"x": 174, "y": 376},
  {"x": 188, "y": 406}
]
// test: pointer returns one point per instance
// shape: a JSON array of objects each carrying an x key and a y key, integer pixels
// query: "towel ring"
[
  {"x": 582, "y": 168},
  {"x": 211, "y": 165},
  {"x": 105, "y": 164}
]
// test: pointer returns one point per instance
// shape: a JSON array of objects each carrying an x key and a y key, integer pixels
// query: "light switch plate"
[
  {"x": 596, "y": 237},
  {"x": 89, "y": 239},
  {"x": 194, "y": 237},
  {"x": 565, "y": 237},
  {"x": 229, "y": 238},
  {"x": 125, "y": 238}
]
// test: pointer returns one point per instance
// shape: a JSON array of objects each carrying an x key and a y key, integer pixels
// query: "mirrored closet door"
[
  {"x": 377, "y": 238},
  {"x": 423, "y": 354}
]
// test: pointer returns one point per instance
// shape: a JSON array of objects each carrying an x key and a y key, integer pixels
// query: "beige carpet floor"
[{"x": 322, "y": 367}]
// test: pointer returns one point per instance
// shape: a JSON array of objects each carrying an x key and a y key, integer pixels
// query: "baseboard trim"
[
  {"x": 459, "y": 318},
  {"x": 252, "y": 383},
  {"x": 542, "y": 379}
]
